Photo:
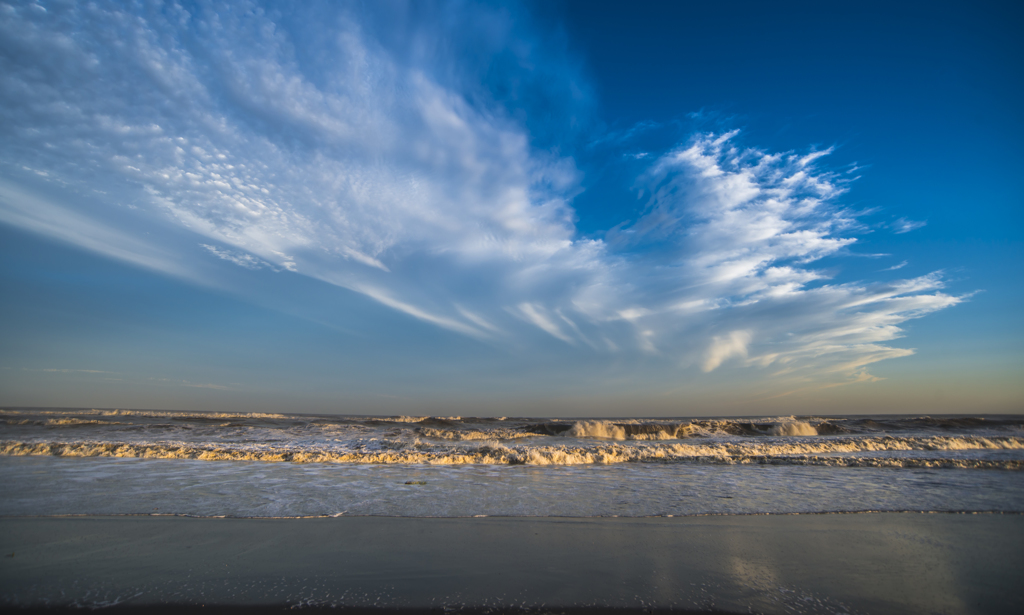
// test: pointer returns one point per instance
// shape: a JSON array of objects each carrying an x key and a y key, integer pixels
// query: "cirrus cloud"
[{"x": 380, "y": 175}]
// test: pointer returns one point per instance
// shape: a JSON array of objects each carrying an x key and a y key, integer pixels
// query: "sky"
[{"x": 523, "y": 209}]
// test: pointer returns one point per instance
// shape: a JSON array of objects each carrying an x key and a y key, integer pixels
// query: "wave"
[
  {"x": 795, "y": 428},
  {"x": 429, "y": 420},
  {"x": 503, "y": 428},
  {"x": 67, "y": 422},
  {"x": 651, "y": 430},
  {"x": 655, "y": 429},
  {"x": 473, "y": 434},
  {"x": 388, "y": 451},
  {"x": 608, "y": 430}
]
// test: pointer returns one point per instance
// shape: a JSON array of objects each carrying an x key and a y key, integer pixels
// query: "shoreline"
[
  {"x": 534, "y": 517},
  {"x": 770, "y": 563}
]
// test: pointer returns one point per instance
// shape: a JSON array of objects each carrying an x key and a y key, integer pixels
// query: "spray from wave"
[{"x": 796, "y": 428}]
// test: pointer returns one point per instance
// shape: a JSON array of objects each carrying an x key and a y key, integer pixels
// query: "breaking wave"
[
  {"x": 828, "y": 453},
  {"x": 68, "y": 422},
  {"x": 796, "y": 428},
  {"x": 473, "y": 435},
  {"x": 878, "y": 441}
]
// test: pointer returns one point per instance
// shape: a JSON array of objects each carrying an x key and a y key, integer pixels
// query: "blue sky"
[{"x": 576, "y": 208}]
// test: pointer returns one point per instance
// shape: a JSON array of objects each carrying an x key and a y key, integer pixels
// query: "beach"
[{"x": 821, "y": 563}]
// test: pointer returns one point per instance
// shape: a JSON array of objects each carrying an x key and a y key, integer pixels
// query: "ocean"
[
  {"x": 249, "y": 465},
  {"x": 136, "y": 510}
]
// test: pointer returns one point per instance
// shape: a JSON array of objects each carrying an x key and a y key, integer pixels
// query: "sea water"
[{"x": 101, "y": 462}]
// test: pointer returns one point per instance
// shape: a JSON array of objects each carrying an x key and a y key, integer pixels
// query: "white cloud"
[
  {"x": 247, "y": 261},
  {"x": 724, "y": 348},
  {"x": 534, "y": 314},
  {"x": 28, "y": 210},
  {"x": 376, "y": 173},
  {"x": 904, "y": 225},
  {"x": 415, "y": 312}
]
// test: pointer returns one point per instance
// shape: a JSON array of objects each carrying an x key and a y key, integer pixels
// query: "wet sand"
[{"x": 839, "y": 563}]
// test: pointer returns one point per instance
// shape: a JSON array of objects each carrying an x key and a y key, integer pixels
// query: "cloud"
[
  {"x": 620, "y": 137},
  {"x": 325, "y": 144},
  {"x": 895, "y": 267},
  {"x": 535, "y": 315},
  {"x": 723, "y": 348},
  {"x": 26, "y": 209},
  {"x": 904, "y": 225},
  {"x": 241, "y": 259}
]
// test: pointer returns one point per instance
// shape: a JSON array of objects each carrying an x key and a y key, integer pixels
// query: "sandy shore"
[{"x": 853, "y": 563}]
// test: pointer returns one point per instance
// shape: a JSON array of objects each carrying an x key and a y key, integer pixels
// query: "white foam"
[
  {"x": 794, "y": 428},
  {"x": 831, "y": 452},
  {"x": 411, "y": 419},
  {"x": 473, "y": 434},
  {"x": 596, "y": 429}
]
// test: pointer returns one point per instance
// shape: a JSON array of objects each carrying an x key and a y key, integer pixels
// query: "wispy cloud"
[
  {"x": 619, "y": 137},
  {"x": 385, "y": 173},
  {"x": 535, "y": 315},
  {"x": 895, "y": 267},
  {"x": 27, "y": 209},
  {"x": 247, "y": 261},
  {"x": 723, "y": 348},
  {"x": 903, "y": 225}
]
